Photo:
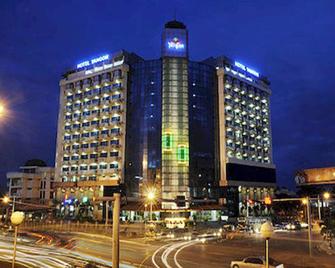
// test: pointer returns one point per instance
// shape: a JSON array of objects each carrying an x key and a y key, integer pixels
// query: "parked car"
[{"x": 255, "y": 262}]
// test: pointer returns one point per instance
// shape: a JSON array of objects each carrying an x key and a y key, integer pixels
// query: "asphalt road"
[
  {"x": 196, "y": 252},
  {"x": 290, "y": 248}
]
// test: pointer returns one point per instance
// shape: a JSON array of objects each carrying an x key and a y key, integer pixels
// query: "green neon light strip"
[
  {"x": 167, "y": 141},
  {"x": 182, "y": 154}
]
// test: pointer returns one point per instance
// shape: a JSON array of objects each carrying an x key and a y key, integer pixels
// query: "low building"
[{"x": 33, "y": 183}]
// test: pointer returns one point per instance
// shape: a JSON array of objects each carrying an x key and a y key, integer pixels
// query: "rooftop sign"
[
  {"x": 247, "y": 69},
  {"x": 92, "y": 61},
  {"x": 175, "y": 43}
]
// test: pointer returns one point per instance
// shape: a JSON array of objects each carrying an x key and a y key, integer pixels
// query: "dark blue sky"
[{"x": 291, "y": 42}]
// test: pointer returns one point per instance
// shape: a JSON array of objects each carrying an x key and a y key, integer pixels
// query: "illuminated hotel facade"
[
  {"x": 91, "y": 134},
  {"x": 194, "y": 129},
  {"x": 175, "y": 123}
]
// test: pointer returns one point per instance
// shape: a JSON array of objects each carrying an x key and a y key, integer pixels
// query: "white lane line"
[
  {"x": 169, "y": 250},
  {"x": 155, "y": 253},
  {"x": 190, "y": 243}
]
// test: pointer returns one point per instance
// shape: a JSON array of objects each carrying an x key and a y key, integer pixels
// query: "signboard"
[
  {"x": 247, "y": 69},
  {"x": 316, "y": 175},
  {"x": 92, "y": 61},
  {"x": 174, "y": 43}
]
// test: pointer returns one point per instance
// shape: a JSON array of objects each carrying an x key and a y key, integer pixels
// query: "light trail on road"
[
  {"x": 190, "y": 243},
  {"x": 49, "y": 257},
  {"x": 168, "y": 249}
]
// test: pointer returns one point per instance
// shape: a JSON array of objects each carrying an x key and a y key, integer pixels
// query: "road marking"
[
  {"x": 155, "y": 253},
  {"x": 190, "y": 243}
]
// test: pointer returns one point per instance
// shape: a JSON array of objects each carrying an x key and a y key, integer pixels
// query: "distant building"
[
  {"x": 198, "y": 129},
  {"x": 283, "y": 192},
  {"x": 315, "y": 181},
  {"x": 33, "y": 183}
]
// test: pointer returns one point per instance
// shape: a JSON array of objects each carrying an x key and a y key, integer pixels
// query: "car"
[
  {"x": 293, "y": 226},
  {"x": 255, "y": 262}
]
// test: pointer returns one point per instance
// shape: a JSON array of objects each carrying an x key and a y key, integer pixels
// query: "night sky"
[{"x": 291, "y": 42}]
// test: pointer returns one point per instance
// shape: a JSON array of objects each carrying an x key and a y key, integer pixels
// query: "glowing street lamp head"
[
  {"x": 2, "y": 109},
  {"x": 304, "y": 201},
  {"x": 5, "y": 199},
  {"x": 151, "y": 194},
  {"x": 326, "y": 195},
  {"x": 17, "y": 218}
]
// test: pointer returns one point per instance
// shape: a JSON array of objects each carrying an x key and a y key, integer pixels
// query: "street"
[{"x": 289, "y": 248}]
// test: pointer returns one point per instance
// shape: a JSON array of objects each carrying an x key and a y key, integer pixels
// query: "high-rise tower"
[{"x": 175, "y": 121}]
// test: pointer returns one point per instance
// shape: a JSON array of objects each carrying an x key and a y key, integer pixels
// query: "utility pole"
[
  {"x": 309, "y": 226},
  {"x": 13, "y": 209},
  {"x": 107, "y": 210},
  {"x": 151, "y": 211},
  {"x": 319, "y": 207},
  {"x": 267, "y": 253},
  {"x": 247, "y": 206},
  {"x": 116, "y": 222}
]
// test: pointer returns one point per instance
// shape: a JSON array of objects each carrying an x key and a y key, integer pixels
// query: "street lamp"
[
  {"x": 326, "y": 195},
  {"x": 266, "y": 231},
  {"x": 5, "y": 199},
  {"x": 2, "y": 109},
  {"x": 16, "y": 219},
  {"x": 151, "y": 197}
]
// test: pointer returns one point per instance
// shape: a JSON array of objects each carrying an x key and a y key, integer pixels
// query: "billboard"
[{"x": 316, "y": 176}]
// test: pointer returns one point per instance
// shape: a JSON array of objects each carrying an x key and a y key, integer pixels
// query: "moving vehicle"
[
  {"x": 293, "y": 226},
  {"x": 255, "y": 262}
]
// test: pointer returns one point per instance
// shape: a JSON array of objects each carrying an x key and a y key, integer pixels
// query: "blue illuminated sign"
[
  {"x": 244, "y": 68},
  {"x": 95, "y": 60},
  {"x": 176, "y": 44}
]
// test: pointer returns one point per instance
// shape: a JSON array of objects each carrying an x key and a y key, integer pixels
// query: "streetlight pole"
[
  {"x": 13, "y": 210},
  {"x": 116, "y": 223},
  {"x": 151, "y": 211},
  {"x": 116, "y": 198},
  {"x": 16, "y": 219},
  {"x": 107, "y": 208},
  {"x": 14, "y": 250},
  {"x": 267, "y": 252},
  {"x": 319, "y": 207},
  {"x": 266, "y": 231},
  {"x": 248, "y": 206},
  {"x": 308, "y": 208}
]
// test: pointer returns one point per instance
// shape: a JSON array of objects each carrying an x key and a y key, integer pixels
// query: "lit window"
[
  {"x": 114, "y": 165},
  {"x": 182, "y": 154},
  {"x": 167, "y": 141}
]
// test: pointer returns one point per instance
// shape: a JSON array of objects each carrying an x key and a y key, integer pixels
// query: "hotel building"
[
  {"x": 245, "y": 167},
  {"x": 91, "y": 134},
  {"x": 194, "y": 129}
]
